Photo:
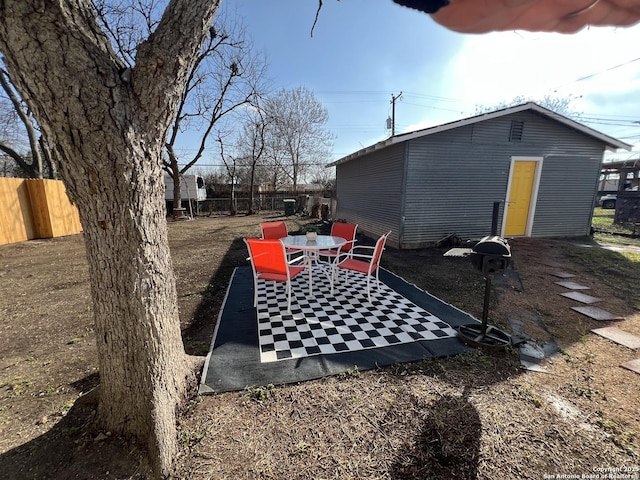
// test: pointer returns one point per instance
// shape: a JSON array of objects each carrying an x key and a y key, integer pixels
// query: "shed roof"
[{"x": 610, "y": 142}]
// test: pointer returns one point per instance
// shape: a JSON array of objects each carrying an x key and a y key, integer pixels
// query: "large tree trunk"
[
  {"x": 141, "y": 358},
  {"x": 108, "y": 126}
]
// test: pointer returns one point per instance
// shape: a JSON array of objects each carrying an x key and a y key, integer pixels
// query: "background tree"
[
  {"x": 320, "y": 175},
  {"x": 215, "y": 181},
  {"x": 231, "y": 165},
  {"x": 561, "y": 105},
  {"x": 297, "y": 131},
  {"x": 275, "y": 159},
  {"x": 109, "y": 123},
  {"x": 226, "y": 74},
  {"x": 251, "y": 144},
  {"x": 37, "y": 159}
]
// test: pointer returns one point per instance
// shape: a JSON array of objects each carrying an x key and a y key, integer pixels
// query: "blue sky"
[{"x": 362, "y": 51}]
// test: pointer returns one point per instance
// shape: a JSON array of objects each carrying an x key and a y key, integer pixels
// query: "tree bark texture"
[{"x": 108, "y": 126}]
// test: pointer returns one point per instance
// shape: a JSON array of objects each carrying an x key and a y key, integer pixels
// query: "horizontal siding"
[
  {"x": 452, "y": 184},
  {"x": 564, "y": 205},
  {"x": 369, "y": 192},
  {"x": 454, "y": 194},
  {"x": 454, "y": 177}
]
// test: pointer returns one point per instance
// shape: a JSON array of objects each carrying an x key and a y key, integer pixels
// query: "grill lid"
[{"x": 492, "y": 245}]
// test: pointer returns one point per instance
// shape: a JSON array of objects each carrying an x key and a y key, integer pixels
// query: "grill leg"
[
  {"x": 485, "y": 307},
  {"x": 484, "y": 335}
]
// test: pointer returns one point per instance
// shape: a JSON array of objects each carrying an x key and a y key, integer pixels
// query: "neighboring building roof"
[
  {"x": 610, "y": 142},
  {"x": 617, "y": 165}
]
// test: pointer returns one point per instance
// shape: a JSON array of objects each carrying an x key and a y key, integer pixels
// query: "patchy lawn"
[{"x": 477, "y": 415}]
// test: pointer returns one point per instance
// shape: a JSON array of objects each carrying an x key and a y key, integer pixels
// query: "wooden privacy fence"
[{"x": 35, "y": 209}]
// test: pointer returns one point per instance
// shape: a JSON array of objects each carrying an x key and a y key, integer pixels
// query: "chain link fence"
[{"x": 313, "y": 204}]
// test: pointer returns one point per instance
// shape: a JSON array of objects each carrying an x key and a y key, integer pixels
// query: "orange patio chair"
[
  {"x": 342, "y": 230},
  {"x": 276, "y": 231},
  {"x": 273, "y": 230},
  {"x": 269, "y": 263},
  {"x": 366, "y": 264}
]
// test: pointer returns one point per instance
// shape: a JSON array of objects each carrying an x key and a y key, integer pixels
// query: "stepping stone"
[
  {"x": 633, "y": 365},
  {"x": 596, "y": 313},
  {"x": 619, "y": 336},
  {"x": 581, "y": 297},
  {"x": 562, "y": 274},
  {"x": 572, "y": 285},
  {"x": 550, "y": 263}
]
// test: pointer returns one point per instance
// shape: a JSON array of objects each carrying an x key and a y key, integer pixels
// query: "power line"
[
  {"x": 432, "y": 107},
  {"x": 424, "y": 96},
  {"x": 617, "y": 123},
  {"x": 591, "y": 75}
]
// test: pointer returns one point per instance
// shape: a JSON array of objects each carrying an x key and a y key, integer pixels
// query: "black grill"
[{"x": 491, "y": 255}]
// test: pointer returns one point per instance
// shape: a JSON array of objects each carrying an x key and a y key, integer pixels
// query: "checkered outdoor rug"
[{"x": 346, "y": 321}]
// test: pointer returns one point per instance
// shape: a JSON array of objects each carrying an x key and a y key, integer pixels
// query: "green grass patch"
[
  {"x": 350, "y": 373},
  {"x": 258, "y": 394},
  {"x": 602, "y": 222},
  {"x": 618, "y": 269}
]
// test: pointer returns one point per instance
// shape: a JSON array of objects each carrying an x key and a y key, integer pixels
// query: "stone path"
[{"x": 613, "y": 334}]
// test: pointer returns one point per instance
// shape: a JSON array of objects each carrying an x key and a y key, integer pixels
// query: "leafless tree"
[
  {"x": 226, "y": 75},
  {"x": 251, "y": 144},
  {"x": 326, "y": 177},
  {"x": 276, "y": 161},
  {"x": 231, "y": 164},
  {"x": 37, "y": 160},
  {"x": 298, "y": 131},
  {"x": 561, "y": 105},
  {"x": 108, "y": 119}
]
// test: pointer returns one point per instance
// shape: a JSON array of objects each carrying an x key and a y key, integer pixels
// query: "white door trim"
[{"x": 534, "y": 192}]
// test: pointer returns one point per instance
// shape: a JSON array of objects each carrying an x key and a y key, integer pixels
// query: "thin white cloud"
[{"x": 497, "y": 67}]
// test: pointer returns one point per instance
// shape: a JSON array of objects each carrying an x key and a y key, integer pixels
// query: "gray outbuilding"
[{"x": 424, "y": 185}]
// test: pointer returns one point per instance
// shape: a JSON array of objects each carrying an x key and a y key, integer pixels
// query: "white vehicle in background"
[
  {"x": 192, "y": 190},
  {"x": 192, "y": 187},
  {"x": 608, "y": 201}
]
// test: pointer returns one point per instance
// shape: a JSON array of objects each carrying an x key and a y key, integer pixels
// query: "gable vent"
[{"x": 515, "y": 134}]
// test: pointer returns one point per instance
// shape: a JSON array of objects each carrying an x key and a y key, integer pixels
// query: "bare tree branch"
[{"x": 35, "y": 168}]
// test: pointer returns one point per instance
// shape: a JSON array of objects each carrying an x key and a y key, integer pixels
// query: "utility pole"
[{"x": 393, "y": 112}]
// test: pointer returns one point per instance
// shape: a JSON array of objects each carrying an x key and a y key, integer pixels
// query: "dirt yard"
[{"x": 478, "y": 415}]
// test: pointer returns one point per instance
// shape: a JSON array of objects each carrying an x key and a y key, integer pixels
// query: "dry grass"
[{"x": 473, "y": 416}]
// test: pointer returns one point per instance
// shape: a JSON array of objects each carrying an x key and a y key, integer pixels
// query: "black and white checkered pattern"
[{"x": 343, "y": 322}]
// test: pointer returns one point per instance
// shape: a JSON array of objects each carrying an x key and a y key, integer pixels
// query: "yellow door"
[{"x": 522, "y": 178}]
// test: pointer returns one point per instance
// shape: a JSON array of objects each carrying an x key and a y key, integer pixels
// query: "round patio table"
[{"x": 311, "y": 248}]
